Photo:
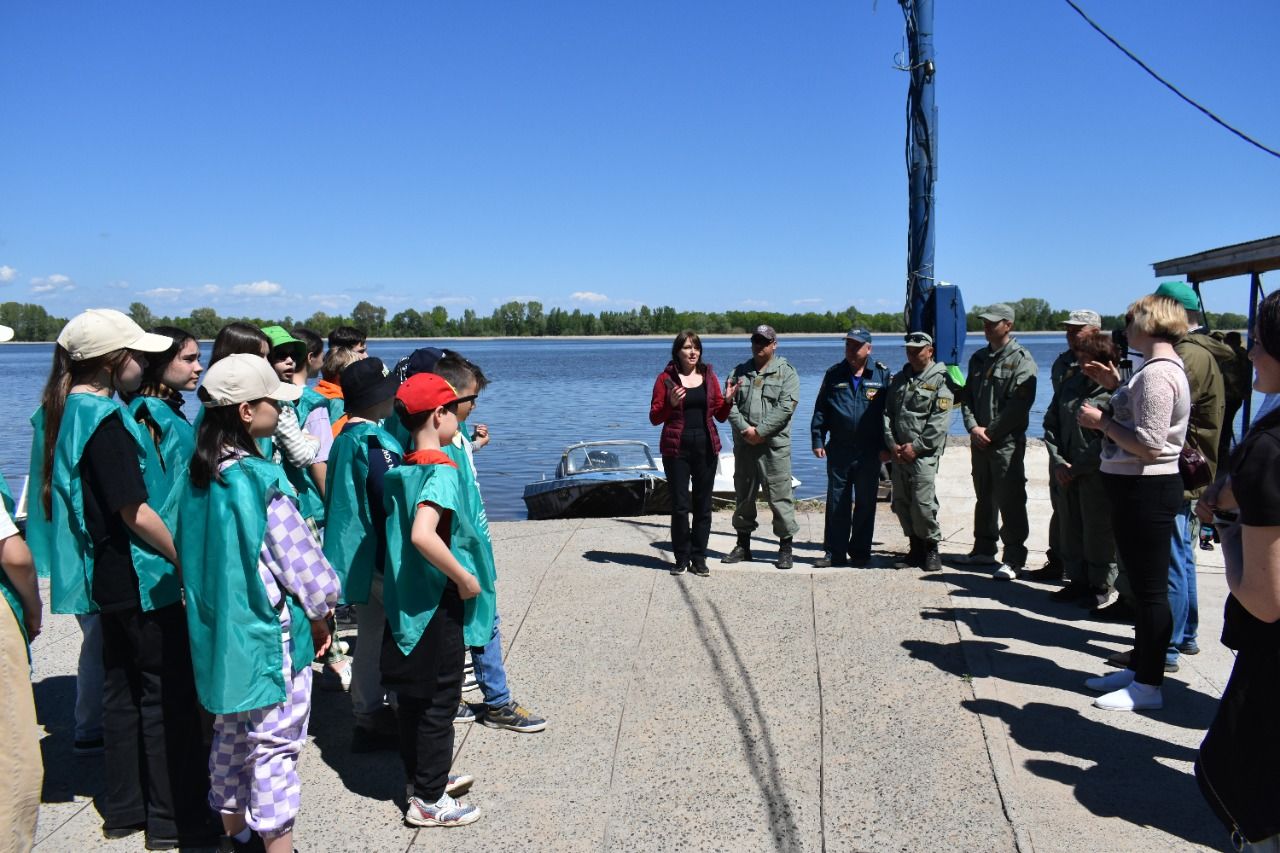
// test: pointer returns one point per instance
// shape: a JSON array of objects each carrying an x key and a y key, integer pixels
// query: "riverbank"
[{"x": 835, "y": 709}]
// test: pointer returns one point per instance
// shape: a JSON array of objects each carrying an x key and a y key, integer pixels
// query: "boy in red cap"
[{"x": 424, "y": 586}]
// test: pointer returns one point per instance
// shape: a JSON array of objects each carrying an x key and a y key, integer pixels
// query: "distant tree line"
[{"x": 531, "y": 319}]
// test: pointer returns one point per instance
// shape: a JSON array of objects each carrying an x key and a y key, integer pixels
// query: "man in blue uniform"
[{"x": 848, "y": 431}]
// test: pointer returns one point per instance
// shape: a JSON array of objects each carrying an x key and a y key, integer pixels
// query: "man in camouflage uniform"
[
  {"x": 996, "y": 402},
  {"x": 1078, "y": 324},
  {"x": 760, "y": 415},
  {"x": 916, "y": 416}
]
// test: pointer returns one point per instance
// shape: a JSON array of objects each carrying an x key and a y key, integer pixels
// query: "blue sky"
[{"x": 282, "y": 158}]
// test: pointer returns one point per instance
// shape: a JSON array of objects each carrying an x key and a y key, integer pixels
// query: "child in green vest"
[
  {"x": 356, "y": 537},
  {"x": 158, "y": 403},
  {"x": 109, "y": 552},
  {"x": 424, "y": 588},
  {"x": 482, "y": 635},
  {"x": 259, "y": 593}
]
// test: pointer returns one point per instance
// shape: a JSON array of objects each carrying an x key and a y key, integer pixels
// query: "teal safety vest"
[
  {"x": 236, "y": 648},
  {"x": 350, "y": 542},
  {"x": 177, "y": 439},
  {"x": 309, "y": 500},
  {"x": 412, "y": 587},
  {"x": 6, "y": 586},
  {"x": 62, "y": 541},
  {"x": 471, "y": 544}
]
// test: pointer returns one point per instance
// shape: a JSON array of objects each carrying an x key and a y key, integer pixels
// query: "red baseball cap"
[{"x": 426, "y": 392}]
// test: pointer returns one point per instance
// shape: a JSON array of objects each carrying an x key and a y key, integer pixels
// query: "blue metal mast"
[{"x": 922, "y": 159}]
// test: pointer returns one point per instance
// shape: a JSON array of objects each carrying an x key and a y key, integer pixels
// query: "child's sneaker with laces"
[
  {"x": 512, "y": 716},
  {"x": 445, "y": 811}
]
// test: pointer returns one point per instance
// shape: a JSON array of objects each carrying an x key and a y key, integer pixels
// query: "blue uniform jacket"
[{"x": 850, "y": 410}]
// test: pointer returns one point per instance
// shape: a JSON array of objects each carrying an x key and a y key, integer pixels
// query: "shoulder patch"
[{"x": 944, "y": 404}]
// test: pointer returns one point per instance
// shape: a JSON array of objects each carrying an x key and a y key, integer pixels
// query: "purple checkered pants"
[{"x": 254, "y": 760}]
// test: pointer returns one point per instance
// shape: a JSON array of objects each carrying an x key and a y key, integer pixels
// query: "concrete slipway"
[{"x": 837, "y": 710}]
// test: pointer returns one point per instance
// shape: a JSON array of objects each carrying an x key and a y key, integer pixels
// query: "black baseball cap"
[{"x": 367, "y": 383}]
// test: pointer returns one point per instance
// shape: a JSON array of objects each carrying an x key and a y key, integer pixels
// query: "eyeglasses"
[{"x": 916, "y": 339}]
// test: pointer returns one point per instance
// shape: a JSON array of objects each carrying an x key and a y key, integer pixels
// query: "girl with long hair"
[{"x": 157, "y": 405}]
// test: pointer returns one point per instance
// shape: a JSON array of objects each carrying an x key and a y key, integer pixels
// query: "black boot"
[
  {"x": 784, "y": 554},
  {"x": 914, "y": 558},
  {"x": 932, "y": 559},
  {"x": 741, "y": 552}
]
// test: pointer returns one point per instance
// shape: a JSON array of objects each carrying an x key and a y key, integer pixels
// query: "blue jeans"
[
  {"x": 1182, "y": 580},
  {"x": 90, "y": 674},
  {"x": 491, "y": 675}
]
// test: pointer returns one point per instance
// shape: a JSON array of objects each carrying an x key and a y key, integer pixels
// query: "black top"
[
  {"x": 111, "y": 479},
  {"x": 1255, "y": 481},
  {"x": 694, "y": 435},
  {"x": 381, "y": 461}
]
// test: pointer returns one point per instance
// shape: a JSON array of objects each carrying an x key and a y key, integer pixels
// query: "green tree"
[
  {"x": 141, "y": 315},
  {"x": 369, "y": 318}
]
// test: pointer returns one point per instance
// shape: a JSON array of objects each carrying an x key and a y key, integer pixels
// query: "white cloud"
[
  {"x": 754, "y": 303},
  {"x": 588, "y": 296},
  {"x": 209, "y": 290},
  {"x": 258, "y": 288},
  {"x": 813, "y": 301},
  {"x": 7, "y": 274},
  {"x": 163, "y": 292},
  {"x": 50, "y": 283}
]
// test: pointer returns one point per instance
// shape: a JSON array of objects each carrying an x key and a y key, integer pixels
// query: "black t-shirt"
[
  {"x": 381, "y": 460},
  {"x": 694, "y": 434},
  {"x": 1255, "y": 473},
  {"x": 111, "y": 479},
  {"x": 1255, "y": 481}
]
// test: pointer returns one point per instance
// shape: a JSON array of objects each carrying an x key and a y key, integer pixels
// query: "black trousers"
[
  {"x": 699, "y": 468},
  {"x": 428, "y": 686},
  {"x": 1142, "y": 518},
  {"x": 156, "y": 759}
]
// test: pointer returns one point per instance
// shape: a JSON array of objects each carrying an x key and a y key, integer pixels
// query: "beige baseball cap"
[
  {"x": 99, "y": 331},
  {"x": 6, "y": 334},
  {"x": 243, "y": 378}
]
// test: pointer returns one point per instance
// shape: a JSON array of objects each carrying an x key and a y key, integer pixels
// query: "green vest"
[
  {"x": 349, "y": 540},
  {"x": 398, "y": 432},
  {"x": 309, "y": 500},
  {"x": 64, "y": 539},
  {"x": 236, "y": 645},
  {"x": 470, "y": 543},
  {"x": 6, "y": 586},
  {"x": 412, "y": 587},
  {"x": 177, "y": 439}
]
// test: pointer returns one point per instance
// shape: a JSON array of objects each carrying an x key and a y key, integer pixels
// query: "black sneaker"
[
  {"x": 112, "y": 833},
  {"x": 740, "y": 554},
  {"x": 1190, "y": 647},
  {"x": 785, "y": 559},
  {"x": 699, "y": 567},
  {"x": 465, "y": 713},
  {"x": 227, "y": 844},
  {"x": 932, "y": 560},
  {"x": 512, "y": 717},
  {"x": 680, "y": 567},
  {"x": 1073, "y": 591}
]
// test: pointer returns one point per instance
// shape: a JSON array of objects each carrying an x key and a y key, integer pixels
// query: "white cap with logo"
[
  {"x": 243, "y": 378},
  {"x": 99, "y": 331}
]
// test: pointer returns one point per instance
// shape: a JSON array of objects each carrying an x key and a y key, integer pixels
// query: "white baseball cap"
[
  {"x": 6, "y": 334},
  {"x": 243, "y": 378},
  {"x": 99, "y": 331}
]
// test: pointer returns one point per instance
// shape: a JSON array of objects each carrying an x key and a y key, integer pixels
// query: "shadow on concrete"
[
  {"x": 761, "y": 755},
  {"x": 66, "y": 775},
  {"x": 377, "y": 775},
  {"x": 624, "y": 558},
  {"x": 1127, "y": 776}
]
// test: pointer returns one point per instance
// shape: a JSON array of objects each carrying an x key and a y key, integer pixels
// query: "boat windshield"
[{"x": 611, "y": 457}]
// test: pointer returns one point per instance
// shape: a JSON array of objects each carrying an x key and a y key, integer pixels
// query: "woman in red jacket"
[{"x": 686, "y": 396}]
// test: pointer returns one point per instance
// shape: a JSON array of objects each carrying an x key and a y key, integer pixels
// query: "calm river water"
[{"x": 546, "y": 393}]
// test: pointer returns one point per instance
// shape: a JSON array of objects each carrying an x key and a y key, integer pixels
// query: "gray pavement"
[{"x": 837, "y": 709}]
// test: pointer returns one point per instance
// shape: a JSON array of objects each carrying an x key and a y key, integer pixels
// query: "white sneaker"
[
  {"x": 1007, "y": 572},
  {"x": 972, "y": 559},
  {"x": 1135, "y": 697},
  {"x": 1106, "y": 599},
  {"x": 1111, "y": 681}
]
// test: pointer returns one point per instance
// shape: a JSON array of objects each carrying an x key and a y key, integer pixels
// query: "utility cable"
[{"x": 1172, "y": 88}]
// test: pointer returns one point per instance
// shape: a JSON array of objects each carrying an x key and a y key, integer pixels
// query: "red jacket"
[{"x": 672, "y": 417}]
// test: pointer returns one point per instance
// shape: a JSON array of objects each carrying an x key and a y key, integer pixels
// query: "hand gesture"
[
  {"x": 979, "y": 437},
  {"x": 480, "y": 437},
  {"x": 907, "y": 452},
  {"x": 468, "y": 587},
  {"x": 675, "y": 396},
  {"x": 1089, "y": 417},
  {"x": 751, "y": 436},
  {"x": 732, "y": 388},
  {"x": 320, "y": 636},
  {"x": 1105, "y": 375}
]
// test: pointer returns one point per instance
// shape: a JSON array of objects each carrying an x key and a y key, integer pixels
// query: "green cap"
[
  {"x": 1180, "y": 292},
  {"x": 280, "y": 337}
]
